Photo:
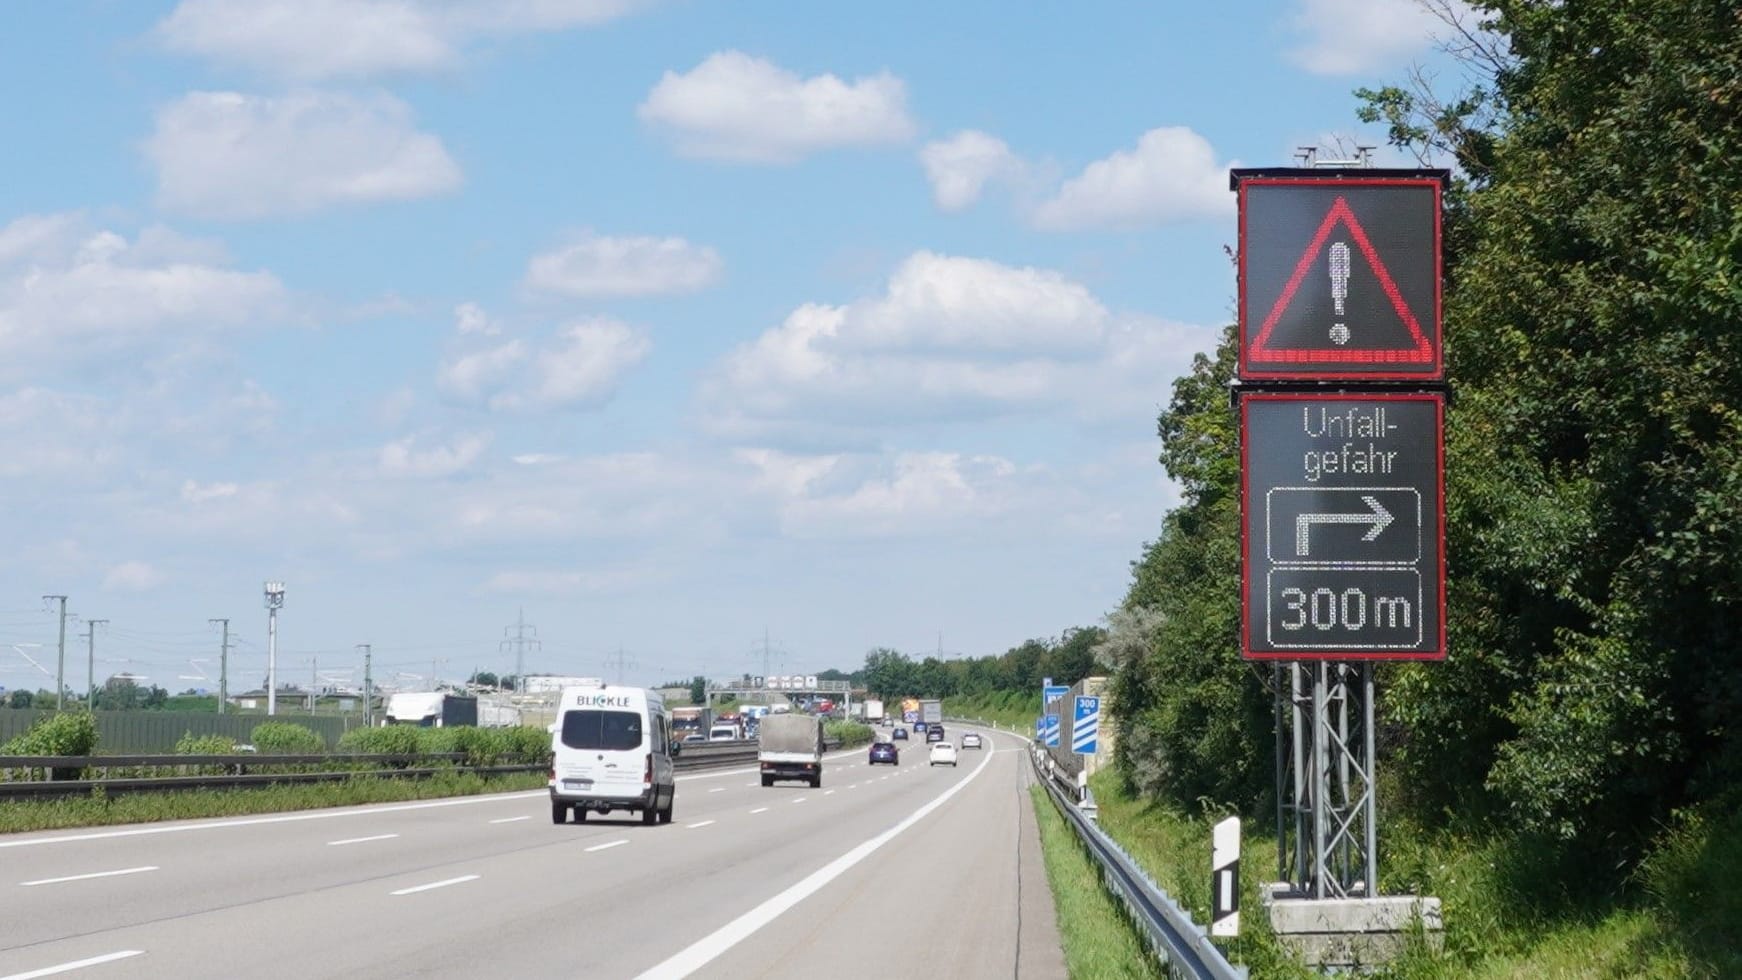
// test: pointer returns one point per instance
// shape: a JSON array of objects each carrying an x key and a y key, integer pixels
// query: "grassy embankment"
[
  {"x": 1012, "y": 709},
  {"x": 1679, "y": 915},
  {"x": 97, "y": 810}
]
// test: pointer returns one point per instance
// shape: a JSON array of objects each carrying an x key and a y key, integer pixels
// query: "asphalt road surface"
[{"x": 883, "y": 869}]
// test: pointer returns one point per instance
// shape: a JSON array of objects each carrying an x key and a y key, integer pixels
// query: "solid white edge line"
[
  {"x": 511, "y": 819},
  {"x": 606, "y": 846},
  {"x": 705, "y": 950},
  {"x": 435, "y": 884},
  {"x": 94, "y": 874},
  {"x": 49, "y": 971},
  {"x": 693, "y": 826},
  {"x": 360, "y": 840}
]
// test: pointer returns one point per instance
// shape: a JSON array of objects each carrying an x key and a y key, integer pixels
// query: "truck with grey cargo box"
[{"x": 790, "y": 746}]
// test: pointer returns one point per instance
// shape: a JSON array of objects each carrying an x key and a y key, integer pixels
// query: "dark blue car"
[
  {"x": 900, "y": 733},
  {"x": 885, "y": 752}
]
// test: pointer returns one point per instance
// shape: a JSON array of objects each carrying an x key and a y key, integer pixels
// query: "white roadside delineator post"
[{"x": 1225, "y": 878}]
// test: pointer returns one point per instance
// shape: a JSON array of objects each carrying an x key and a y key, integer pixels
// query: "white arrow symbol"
[{"x": 1380, "y": 519}]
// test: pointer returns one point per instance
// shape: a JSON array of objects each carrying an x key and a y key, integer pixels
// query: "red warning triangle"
[{"x": 1420, "y": 353}]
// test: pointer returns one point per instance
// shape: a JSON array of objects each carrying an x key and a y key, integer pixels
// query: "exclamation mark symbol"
[{"x": 1339, "y": 288}]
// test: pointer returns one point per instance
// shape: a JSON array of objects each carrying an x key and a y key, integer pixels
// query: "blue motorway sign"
[{"x": 1086, "y": 725}]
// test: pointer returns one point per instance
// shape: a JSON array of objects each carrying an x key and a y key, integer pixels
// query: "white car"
[
  {"x": 971, "y": 741},
  {"x": 942, "y": 752}
]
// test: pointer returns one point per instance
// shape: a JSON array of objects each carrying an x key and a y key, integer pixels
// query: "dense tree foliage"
[
  {"x": 1594, "y": 499},
  {"x": 1069, "y": 658}
]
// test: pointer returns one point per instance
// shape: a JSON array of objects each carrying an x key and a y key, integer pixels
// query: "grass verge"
[
  {"x": 97, "y": 810},
  {"x": 1098, "y": 939},
  {"x": 1512, "y": 907}
]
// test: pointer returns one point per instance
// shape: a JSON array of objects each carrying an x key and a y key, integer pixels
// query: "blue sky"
[{"x": 670, "y": 322}]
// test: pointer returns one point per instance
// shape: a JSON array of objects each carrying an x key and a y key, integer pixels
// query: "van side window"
[{"x": 662, "y": 743}]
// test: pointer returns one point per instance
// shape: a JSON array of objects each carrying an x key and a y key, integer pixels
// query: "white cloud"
[
  {"x": 197, "y": 493},
  {"x": 227, "y": 155},
  {"x": 403, "y": 458},
  {"x": 736, "y": 107},
  {"x": 67, "y": 290},
  {"x": 313, "y": 39},
  {"x": 597, "y": 266},
  {"x": 132, "y": 576},
  {"x": 960, "y": 167},
  {"x": 1353, "y": 37},
  {"x": 580, "y": 369},
  {"x": 476, "y": 375},
  {"x": 1172, "y": 175},
  {"x": 470, "y": 318},
  {"x": 951, "y": 338},
  {"x": 600, "y": 581},
  {"x": 537, "y": 459},
  {"x": 583, "y": 370}
]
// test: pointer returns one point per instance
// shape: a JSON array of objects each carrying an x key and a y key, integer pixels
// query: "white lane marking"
[
  {"x": 284, "y": 818},
  {"x": 49, "y": 971},
  {"x": 828, "y": 792},
  {"x": 435, "y": 884},
  {"x": 760, "y": 809},
  {"x": 800, "y": 799},
  {"x": 94, "y": 874},
  {"x": 703, "y": 951},
  {"x": 511, "y": 819},
  {"x": 852, "y": 785},
  {"x": 718, "y": 789},
  {"x": 704, "y": 823},
  {"x": 607, "y": 845},
  {"x": 360, "y": 840}
]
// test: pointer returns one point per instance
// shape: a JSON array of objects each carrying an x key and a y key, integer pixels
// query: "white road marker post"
[{"x": 1225, "y": 878}]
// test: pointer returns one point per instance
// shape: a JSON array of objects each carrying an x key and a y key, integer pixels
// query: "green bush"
[
  {"x": 849, "y": 732},
  {"x": 391, "y": 740},
  {"x": 191, "y": 744},
  {"x": 284, "y": 738},
  {"x": 66, "y": 733}
]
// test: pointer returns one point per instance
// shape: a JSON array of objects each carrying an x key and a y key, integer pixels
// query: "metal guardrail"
[
  {"x": 1183, "y": 946},
  {"x": 691, "y": 758}
]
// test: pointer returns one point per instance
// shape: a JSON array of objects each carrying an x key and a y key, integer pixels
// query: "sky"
[{"x": 677, "y": 325}]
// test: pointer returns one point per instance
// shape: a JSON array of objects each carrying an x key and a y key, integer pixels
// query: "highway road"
[{"x": 901, "y": 869}]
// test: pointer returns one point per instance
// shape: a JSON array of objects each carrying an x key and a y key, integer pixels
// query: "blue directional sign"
[
  {"x": 1051, "y": 693},
  {"x": 1086, "y": 725},
  {"x": 1051, "y": 735}
]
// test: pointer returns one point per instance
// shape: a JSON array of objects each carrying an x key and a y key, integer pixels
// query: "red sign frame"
[
  {"x": 1249, "y": 622},
  {"x": 1334, "y": 364}
]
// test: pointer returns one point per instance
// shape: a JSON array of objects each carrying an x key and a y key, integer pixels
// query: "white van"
[{"x": 611, "y": 750}]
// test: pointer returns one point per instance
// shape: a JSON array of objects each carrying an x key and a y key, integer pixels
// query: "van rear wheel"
[
  {"x": 559, "y": 812},
  {"x": 649, "y": 816}
]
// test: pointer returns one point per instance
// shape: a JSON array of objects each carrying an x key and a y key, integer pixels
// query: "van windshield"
[{"x": 612, "y": 731}]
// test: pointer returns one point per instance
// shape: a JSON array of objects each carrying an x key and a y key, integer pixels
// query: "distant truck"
[
  {"x": 790, "y": 746},
  {"x": 931, "y": 712},
  {"x": 430, "y": 709},
  {"x": 873, "y": 710}
]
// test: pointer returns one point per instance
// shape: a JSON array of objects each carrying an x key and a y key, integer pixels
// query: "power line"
[
  {"x": 223, "y": 664},
  {"x": 622, "y": 661},
  {"x": 520, "y": 641}
]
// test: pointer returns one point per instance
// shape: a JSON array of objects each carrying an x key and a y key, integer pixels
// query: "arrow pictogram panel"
[{"x": 1345, "y": 275}]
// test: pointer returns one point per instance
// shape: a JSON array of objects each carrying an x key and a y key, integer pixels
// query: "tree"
[
  {"x": 19, "y": 699},
  {"x": 484, "y": 678},
  {"x": 1594, "y": 498},
  {"x": 698, "y": 689}
]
